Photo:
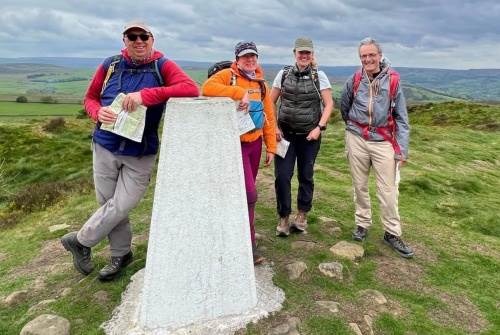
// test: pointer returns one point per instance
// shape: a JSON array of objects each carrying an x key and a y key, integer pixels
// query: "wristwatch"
[{"x": 321, "y": 127}]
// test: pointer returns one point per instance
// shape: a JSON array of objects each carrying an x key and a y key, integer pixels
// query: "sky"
[{"x": 414, "y": 33}]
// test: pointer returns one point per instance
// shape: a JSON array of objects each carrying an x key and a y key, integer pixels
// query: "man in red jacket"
[{"x": 122, "y": 167}]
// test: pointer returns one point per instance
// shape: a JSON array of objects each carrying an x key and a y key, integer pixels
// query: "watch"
[{"x": 321, "y": 127}]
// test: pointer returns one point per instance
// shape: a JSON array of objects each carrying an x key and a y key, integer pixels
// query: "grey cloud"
[{"x": 421, "y": 32}]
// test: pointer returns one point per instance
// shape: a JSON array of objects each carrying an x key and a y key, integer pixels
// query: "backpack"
[
  {"x": 225, "y": 64},
  {"x": 114, "y": 60},
  {"x": 388, "y": 133},
  {"x": 256, "y": 108}
]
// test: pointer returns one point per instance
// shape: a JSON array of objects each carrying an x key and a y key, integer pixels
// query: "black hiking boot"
[
  {"x": 359, "y": 234},
  {"x": 114, "y": 267},
  {"x": 396, "y": 243},
  {"x": 81, "y": 254}
]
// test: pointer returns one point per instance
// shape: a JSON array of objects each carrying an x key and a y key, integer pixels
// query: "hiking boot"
[
  {"x": 257, "y": 257},
  {"x": 359, "y": 234},
  {"x": 114, "y": 267},
  {"x": 300, "y": 222},
  {"x": 396, "y": 243},
  {"x": 81, "y": 254},
  {"x": 283, "y": 228}
]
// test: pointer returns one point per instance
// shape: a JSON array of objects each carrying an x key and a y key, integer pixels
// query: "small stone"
[
  {"x": 59, "y": 227},
  {"x": 327, "y": 220},
  {"x": 306, "y": 245},
  {"x": 40, "y": 305},
  {"x": 355, "y": 328},
  {"x": 47, "y": 324},
  {"x": 258, "y": 236},
  {"x": 293, "y": 332},
  {"x": 334, "y": 231},
  {"x": 295, "y": 269},
  {"x": 293, "y": 322},
  {"x": 15, "y": 298},
  {"x": 332, "y": 270},
  {"x": 102, "y": 297},
  {"x": 373, "y": 295},
  {"x": 65, "y": 291},
  {"x": 281, "y": 329},
  {"x": 369, "y": 324},
  {"x": 348, "y": 250},
  {"x": 332, "y": 306}
]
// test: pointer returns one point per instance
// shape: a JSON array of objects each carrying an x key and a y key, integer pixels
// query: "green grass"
[
  {"x": 448, "y": 204},
  {"x": 12, "y": 110}
]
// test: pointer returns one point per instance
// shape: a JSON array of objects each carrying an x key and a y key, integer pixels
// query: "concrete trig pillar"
[{"x": 199, "y": 263}]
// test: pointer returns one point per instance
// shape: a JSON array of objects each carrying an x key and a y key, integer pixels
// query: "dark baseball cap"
[{"x": 245, "y": 48}]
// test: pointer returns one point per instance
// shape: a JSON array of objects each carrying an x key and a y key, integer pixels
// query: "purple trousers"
[{"x": 251, "y": 152}]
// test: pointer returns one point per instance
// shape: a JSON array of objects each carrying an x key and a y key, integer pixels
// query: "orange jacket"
[{"x": 219, "y": 85}]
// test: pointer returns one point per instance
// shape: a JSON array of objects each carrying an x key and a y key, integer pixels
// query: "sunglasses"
[{"x": 133, "y": 37}]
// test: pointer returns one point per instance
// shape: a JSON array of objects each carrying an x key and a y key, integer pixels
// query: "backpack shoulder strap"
[
  {"x": 109, "y": 65},
  {"x": 315, "y": 77},
  {"x": 394, "y": 80},
  {"x": 286, "y": 71},
  {"x": 356, "y": 80},
  {"x": 158, "y": 64}
]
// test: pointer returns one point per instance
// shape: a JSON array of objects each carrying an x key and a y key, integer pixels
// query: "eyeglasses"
[
  {"x": 368, "y": 56},
  {"x": 133, "y": 37}
]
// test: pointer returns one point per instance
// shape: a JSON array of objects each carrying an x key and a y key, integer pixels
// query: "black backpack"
[{"x": 225, "y": 64}]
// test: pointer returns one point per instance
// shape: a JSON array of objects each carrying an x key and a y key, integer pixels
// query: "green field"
[
  {"x": 12, "y": 110},
  {"x": 448, "y": 203}
]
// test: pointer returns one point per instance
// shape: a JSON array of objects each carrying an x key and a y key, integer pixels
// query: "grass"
[{"x": 448, "y": 204}]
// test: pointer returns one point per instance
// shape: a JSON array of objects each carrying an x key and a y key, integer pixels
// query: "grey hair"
[{"x": 368, "y": 41}]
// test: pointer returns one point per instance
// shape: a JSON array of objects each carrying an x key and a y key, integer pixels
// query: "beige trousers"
[{"x": 362, "y": 155}]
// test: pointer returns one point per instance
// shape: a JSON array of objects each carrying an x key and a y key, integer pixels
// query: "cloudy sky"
[{"x": 418, "y": 33}]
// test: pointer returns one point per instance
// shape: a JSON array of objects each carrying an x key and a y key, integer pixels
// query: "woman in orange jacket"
[{"x": 244, "y": 82}]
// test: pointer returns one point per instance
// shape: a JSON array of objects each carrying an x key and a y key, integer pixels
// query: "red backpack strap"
[
  {"x": 355, "y": 82},
  {"x": 393, "y": 84}
]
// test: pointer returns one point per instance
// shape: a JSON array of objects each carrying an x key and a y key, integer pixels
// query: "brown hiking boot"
[
  {"x": 283, "y": 228},
  {"x": 300, "y": 222}
]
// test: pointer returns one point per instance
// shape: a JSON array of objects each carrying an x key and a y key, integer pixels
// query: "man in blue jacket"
[
  {"x": 377, "y": 136},
  {"x": 122, "y": 167}
]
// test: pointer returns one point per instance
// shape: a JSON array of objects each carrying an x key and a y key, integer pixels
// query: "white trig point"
[
  {"x": 199, "y": 276},
  {"x": 199, "y": 264}
]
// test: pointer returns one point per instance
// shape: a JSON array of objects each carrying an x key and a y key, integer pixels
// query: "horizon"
[
  {"x": 419, "y": 34},
  {"x": 99, "y": 59}
]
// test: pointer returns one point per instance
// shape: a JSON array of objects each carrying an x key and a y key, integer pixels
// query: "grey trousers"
[
  {"x": 364, "y": 155},
  {"x": 120, "y": 183}
]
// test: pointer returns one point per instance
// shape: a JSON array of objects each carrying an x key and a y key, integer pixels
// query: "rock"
[
  {"x": 306, "y": 245},
  {"x": 369, "y": 324},
  {"x": 102, "y": 297},
  {"x": 258, "y": 236},
  {"x": 355, "y": 329},
  {"x": 336, "y": 231},
  {"x": 281, "y": 329},
  {"x": 47, "y": 324},
  {"x": 65, "y": 291},
  {"x": 332, "y": 306},
  {"x": 327, "y": 220},
  {"x": 373, "y": 296},
  {"x": 287, "y": 328},
  {"x": 15, "y": 298},
  {"x": 41, "y": 305},
  {"x": 295, "y": 269},
  {"x": 332, "y": 270},
  {"x": 293, "y": 322},
  {"x": 348, "y": 250},
  {"x": 59, "y": 227}
]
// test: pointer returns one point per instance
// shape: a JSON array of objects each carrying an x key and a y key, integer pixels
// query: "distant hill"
[{"x": 420, "y": 84}]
